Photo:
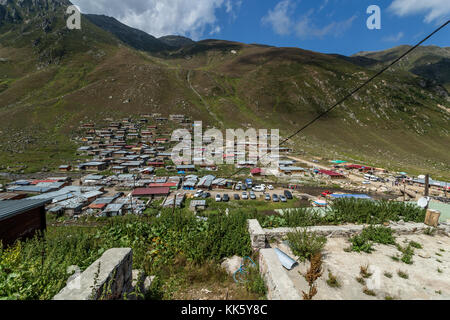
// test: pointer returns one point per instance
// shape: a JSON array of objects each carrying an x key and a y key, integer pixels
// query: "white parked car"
[
  {"x": 244, "y": 196},
  {"x": 259, "y": 189},
  {"x": 218, "y": 198},
  {"x": 270, "y": 187}
]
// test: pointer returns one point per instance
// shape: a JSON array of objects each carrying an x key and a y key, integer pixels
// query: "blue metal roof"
[{"x": 354, "y": 196}]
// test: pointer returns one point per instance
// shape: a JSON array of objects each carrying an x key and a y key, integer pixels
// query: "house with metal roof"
[
  {"x": 197, "y": 205},
  {"x": 113, "y": 210},
  {"x": 186, "y": 168},
  {"x": 93, "y": 166},
  {"x": 190, "y": 183},
  {"x": 206, "y": 182},
  {"x": 179, "y": 199},
  {"x": 30, "y": 189},
  {"x": 20, "y": 219}
]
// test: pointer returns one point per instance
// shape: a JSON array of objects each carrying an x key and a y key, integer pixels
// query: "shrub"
[
  {"x": 416, "y": 245},
  {"x": 373, "y": 212},
  {"x": 369, "y": 292},
  {"x": 332, "y": 281},
  {"x": 370, "y": 235},
  {"x": 314, "y": 273},
  {"x": 256, "y": 283},
  {"x": 407, "y": 253},
  {"x": 306, "y": 244},
  {"x": 402, "y": 274},
  {"x": 36, "y": 269}
]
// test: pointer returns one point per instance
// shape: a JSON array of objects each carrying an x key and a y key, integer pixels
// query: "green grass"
[
  {"x": 364, "y": 242},
  {"x": 403, "y": 275},
  {"x": 157, "y": 244},
  {"x": 305, "y": 244},
  {"x": 333, "y": 281}
]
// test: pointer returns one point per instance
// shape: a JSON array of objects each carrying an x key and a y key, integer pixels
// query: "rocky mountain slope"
[
  {"x": 52, "y": 79},
  {"x": 429, "y": 62}
]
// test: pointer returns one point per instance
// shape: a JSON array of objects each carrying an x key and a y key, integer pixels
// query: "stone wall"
[
  {"x": 260, "y": 237},
  {"x": 108, "y": 278},
  {"x": 257, "y": 234}
]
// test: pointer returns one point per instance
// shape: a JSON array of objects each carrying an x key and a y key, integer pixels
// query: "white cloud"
[
  {"x": 280, "y": 18},
  {"x": 324, "y": 4},
  {"x": 192, "y": 18},
  {"x": 433, "y": 9},
  {"x": 306, "y": 28},
  {"x": 283, "y": 23},
  {"x": 394, "y": 38}
]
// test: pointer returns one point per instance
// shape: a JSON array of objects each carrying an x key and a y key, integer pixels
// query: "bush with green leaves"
[
  {"x": 305, "y": 244},
  {"x": 36, "y": 269},
  {"x": 372, "y": 212},
  {"x": 343, "y": 211},
  {"x": 373, "y": 234}
]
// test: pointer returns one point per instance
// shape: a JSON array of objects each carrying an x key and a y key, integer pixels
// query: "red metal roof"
[
  {"x": 151, "y": 191},
  {"x": 97, "y": 206},
  {"x": 330, "y": 173},
  {"x": 354, "y": 166},
  {"x": 256, "y": 171}
]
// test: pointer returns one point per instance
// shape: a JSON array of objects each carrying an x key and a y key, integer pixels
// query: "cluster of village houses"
[{"x": 121, "y": 175}]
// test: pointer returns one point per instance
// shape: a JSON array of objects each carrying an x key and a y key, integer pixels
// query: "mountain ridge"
[{"x": 395, "y": 122}]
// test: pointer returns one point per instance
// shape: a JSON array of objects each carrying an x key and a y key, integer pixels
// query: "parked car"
[
  {"x": 198, "y": 193},
  {"x": 244, "y": 187},
  {"x": 288, "y": 195},
  {"x": 226, "y": 198},
  {"x": 206, "y": 195},
  {"x": 244, "y": 196},
  {"x": 270, "y": 187},
  {"x": 252, "y": 195},
  {"x": 275, "y": 198},
  {"x": 259, "y": 189},
  {"x": 218, "y": 198},
  {"x": 283, "y": 199},
  {"x": 236, "y": 197},
  {"x": 268, "y": 198},
  {"x": 238, "y": 187}
]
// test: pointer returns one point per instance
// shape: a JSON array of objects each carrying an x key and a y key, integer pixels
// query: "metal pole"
[{"x": 427, "y": 185}]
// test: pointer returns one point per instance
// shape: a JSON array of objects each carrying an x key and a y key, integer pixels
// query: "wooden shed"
[{"x": 21, "y": 219}]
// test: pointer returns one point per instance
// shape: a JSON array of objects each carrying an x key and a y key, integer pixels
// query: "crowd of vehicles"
[{"x": 248, "y": 191}]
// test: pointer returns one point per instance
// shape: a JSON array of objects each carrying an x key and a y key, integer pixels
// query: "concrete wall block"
[
  {"x": 111, "y": 274},
  {"x": 257, "y": 234},
  {"x": 279, "y": 285}
]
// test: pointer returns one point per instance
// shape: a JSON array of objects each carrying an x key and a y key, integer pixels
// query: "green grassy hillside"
[
  {"x": 429, "y": 62},
  {"x": 395, "y": 122}
]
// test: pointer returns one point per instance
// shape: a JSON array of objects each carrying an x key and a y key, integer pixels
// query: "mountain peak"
[{"x": 15, "y": 11}]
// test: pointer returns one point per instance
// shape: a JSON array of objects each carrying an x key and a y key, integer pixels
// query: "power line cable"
[{"x": 354, "y": 91}]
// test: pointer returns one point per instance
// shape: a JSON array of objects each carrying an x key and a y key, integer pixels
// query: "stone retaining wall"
[
  {"x": 108, "y": 278},
  {"x": 259, "y": 236}
]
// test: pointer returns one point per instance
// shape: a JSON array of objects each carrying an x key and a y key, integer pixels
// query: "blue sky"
[
  {"x": 336, "y": 26},
  {"x": 330, "y": 26}
]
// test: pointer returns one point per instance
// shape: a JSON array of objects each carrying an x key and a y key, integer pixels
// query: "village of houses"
[{"x": 130, "y": 166}]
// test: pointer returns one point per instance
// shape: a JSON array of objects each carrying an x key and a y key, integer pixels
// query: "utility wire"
[{"x": 349, "y": 95}]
